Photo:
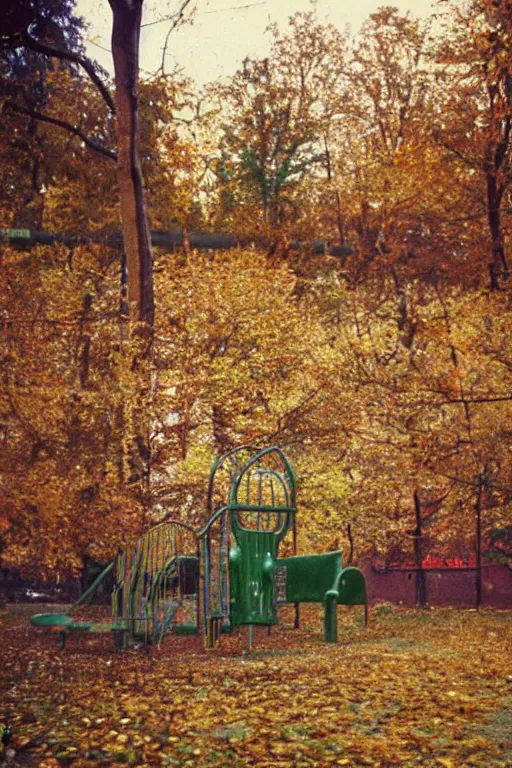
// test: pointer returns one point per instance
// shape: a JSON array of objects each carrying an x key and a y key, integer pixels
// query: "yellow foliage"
[{"x": 382, "y": 697}]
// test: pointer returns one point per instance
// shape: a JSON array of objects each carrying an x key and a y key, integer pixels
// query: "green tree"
[{"x": 275, "y": 111}]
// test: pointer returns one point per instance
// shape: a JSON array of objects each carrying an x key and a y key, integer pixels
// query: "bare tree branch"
[
  {"x": 176, "y": 19},
  {"x": 74, "y": 129},
  {"x": 82, "y": 61}
]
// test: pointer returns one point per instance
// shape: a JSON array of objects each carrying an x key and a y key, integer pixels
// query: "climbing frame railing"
[
  {"x": 152, "y": 578},
  {"x": 253, "y": 490}
]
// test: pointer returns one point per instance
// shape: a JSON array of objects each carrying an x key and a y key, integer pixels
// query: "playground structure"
[{"x": 229, "y": 573}]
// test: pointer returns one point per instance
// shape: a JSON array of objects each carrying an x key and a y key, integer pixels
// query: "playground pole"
[{"x": 296, "y": 622}]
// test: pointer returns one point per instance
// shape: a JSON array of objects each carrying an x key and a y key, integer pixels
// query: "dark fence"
[{"x": 444, "y": 586}]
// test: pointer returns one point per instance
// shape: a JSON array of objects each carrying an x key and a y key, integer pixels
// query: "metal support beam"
[{"x": 27, "y": 238}]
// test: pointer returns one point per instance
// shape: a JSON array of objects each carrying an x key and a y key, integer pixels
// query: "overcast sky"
[{"x": 225, "y": 31}]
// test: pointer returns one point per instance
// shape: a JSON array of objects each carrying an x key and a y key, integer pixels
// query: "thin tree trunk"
[
  {"x": 351, "y": 543},
  {"x": 339, "y": 215},
  {"x": 478, "y": 522},
  {"x": 421, "y": 590},
  {"x": 339, "y": 218}
]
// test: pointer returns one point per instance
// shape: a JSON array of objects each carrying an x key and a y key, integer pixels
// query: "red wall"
[{"x": 454, "y": 586}]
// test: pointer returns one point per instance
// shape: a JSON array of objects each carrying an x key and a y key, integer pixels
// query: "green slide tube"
[{"x": 88, "y": 592}]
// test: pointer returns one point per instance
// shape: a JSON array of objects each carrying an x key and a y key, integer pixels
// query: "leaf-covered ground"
[{"x": 414, "y": 689}]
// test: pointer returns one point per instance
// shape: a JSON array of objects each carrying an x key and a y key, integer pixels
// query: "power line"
[{"x": 232, "y": 8}]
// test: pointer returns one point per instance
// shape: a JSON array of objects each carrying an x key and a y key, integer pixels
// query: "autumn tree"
[
  {"x": 50, "y": 31},
  {"x": 385, "y": 374},
  {"x": 382, "y": 136},
  {"x": 476, "y": 119},
  {"x": 275, "y": 111},
  {"x": 427, "y": 417},
  {"x": 70, "y": 488},
  {"x": 238, "y": 361},
  {"x": 90, "y": 447},
  {"x": 173, "y": 163},
  {"x": 27, "y": 77}
]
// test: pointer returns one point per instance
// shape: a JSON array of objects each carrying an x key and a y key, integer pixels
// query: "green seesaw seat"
[
  {"x": 64, "y": 622},
  {"x": 321, "y": 579},
  {"x": 58, "y": 621}
]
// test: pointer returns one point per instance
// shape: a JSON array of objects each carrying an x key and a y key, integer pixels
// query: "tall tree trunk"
[
  {"x": 339, "y": 216},
  {"x": 127, "y": 15},
  {"x": 497, "y": 170},
  {"x": 136, "y": 266},
  {"x": 498, "y": 267}
]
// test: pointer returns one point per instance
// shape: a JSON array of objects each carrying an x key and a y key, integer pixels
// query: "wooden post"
[{"x": 351, "y": 544}]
